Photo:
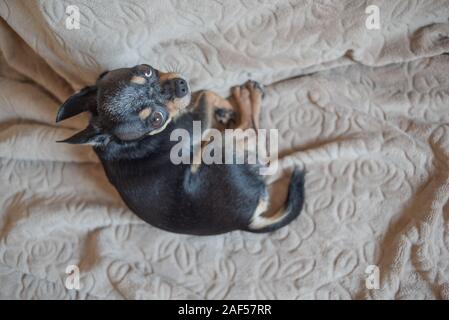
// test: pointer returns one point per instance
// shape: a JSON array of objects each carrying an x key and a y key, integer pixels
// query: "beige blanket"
[{"x": 366, "y": 112}]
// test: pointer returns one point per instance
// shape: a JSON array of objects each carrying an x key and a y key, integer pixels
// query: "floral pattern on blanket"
[{"x": 365, "y": 112}]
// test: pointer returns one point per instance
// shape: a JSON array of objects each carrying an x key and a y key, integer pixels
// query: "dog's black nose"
[{"x": 181, "y": 87}]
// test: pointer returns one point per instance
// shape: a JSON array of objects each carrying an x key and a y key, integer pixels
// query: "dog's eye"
[
  {"x": 157, "y": 119},
  {"x": 148, "y": 73}
]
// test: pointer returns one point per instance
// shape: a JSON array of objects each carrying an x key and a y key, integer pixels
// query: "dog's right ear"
[
  {"x": 90, "y": 135},
  {"x": 84, "y": 100}
]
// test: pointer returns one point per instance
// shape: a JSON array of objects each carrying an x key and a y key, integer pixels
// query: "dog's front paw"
[
  {"x": 248, "y": 99},
  {"x": 249, "y": 90},
  {"x": 254, "y": 85}
]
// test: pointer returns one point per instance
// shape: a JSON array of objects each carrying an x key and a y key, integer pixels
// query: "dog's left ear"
[
  {"x": 84, "y": 100},
  {"x": 90, "y": 135}
]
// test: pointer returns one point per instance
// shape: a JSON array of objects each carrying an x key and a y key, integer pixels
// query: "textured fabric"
[{"x": 365, "y": 112}]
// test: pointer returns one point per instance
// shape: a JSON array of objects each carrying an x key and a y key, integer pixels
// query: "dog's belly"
[{"x": 216, "y": 199}]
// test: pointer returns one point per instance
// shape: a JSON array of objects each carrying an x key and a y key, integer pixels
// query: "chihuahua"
[{"x": 133, "y": 113}]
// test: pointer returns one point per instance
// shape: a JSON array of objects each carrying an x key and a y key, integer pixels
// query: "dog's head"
[{"x": 127, "y": 104}]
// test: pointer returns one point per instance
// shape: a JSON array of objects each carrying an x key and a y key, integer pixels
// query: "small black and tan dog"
[{"x": 133, "y": 112}]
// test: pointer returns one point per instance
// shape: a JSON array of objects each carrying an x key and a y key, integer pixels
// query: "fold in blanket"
[{"x": 365, "y": 112}]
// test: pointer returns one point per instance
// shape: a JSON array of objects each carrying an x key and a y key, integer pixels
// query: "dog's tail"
[{"x": 285, "y": 215}]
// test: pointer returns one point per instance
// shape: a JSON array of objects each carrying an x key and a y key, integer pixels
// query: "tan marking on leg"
[
  {"x": 262, "y": 206},
  {"x": 269, "y": 212},
  {"x": 212, "y": 103},
  {"x": 214, "y": 100},
  {"x": 277, "y": 193},
  {"x": 138, "y": 80},
  {"x": 242, "y": 99},
  {"x": 256, "y": 102},
  {"x": 259, "y": 220},
  {"x": 248, "y": 99}
]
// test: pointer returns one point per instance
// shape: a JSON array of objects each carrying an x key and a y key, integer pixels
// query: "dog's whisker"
[{"x": 166, "y": 67}]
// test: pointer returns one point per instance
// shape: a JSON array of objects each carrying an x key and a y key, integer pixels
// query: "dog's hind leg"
[{"x": 278, "y": 206}]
